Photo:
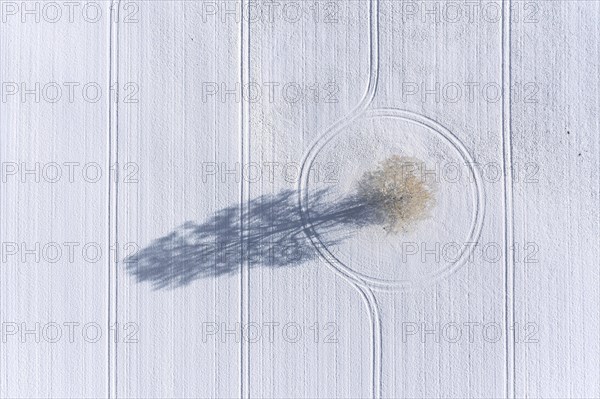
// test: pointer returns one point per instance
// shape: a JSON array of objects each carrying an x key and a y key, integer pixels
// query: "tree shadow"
[{"x": 274, "y": 237}]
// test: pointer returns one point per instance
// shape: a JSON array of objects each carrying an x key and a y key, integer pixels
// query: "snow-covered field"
[{"x": 182, "y": 215}]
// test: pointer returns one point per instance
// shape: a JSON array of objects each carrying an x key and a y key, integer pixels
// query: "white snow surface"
[{"x": 178, "y": 214}]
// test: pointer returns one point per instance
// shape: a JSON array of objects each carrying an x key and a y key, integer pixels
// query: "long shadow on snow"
[{"x": 274, "y": 238}]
